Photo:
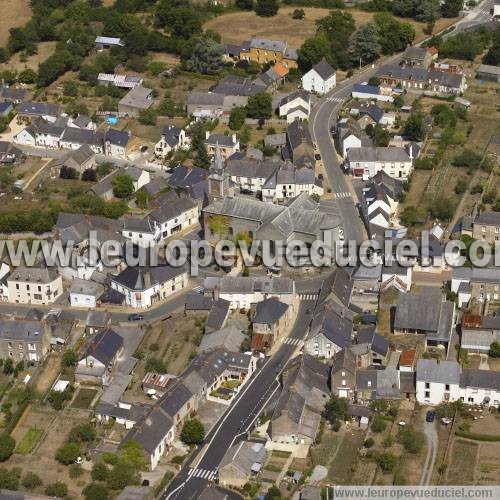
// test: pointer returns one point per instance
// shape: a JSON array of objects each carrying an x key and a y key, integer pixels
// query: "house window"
[
  {"x": 447, "y": 387},
  {"x": 427, "y": 394},
  {"x": 343, "y": 374},
  {"x": 343, "y": 381},
  {"x": 483, "y": 229},
  {"x": 497, "y": 229},
  {"x": 427, "y": 385}
]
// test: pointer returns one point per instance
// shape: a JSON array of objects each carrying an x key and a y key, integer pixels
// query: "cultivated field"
[
  {"x": 14, "y": 13},
  {"x": 236, "y": 27},
  {"x": 44, "y": 50}
]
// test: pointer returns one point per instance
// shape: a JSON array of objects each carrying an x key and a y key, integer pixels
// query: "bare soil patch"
[
  {"x": 14, "y": 13},
  {"x": 44, "y": 50},
  {"x": 463, "y": 458}
]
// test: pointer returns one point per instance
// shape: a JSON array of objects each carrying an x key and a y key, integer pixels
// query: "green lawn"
[
  {"x": 29, "y": 441},
  {"x": 83, "y": 398}
]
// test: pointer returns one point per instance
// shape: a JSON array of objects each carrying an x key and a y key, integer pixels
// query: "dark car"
[
  {"x": 429, "y": 417},
  {"x": 317, "y": 156},
  {"x": 135, "y": 317}
]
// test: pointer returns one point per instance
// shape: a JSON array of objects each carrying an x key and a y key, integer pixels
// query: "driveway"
[{"x": 431, "y": 436}]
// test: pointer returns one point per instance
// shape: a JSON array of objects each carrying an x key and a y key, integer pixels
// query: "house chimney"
[{"x": 233, "y": 137}]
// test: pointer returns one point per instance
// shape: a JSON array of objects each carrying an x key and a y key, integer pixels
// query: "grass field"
[
  {"x": 340, "y": 469},
  {"x": 44, "y": 50},
  {"x": 235, "y": 27},
  {"x": 29, "y": 441},
  {"x": 14, "y": 13},
  {"x": 461, "y": 469},
  {"x": 83, "y": 398}
]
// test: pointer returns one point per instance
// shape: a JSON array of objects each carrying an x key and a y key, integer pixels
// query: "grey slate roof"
[
  {"x": 142, "y": 278},
  {"x": 82, "y": 136},
  {"x": 139, "y": 97},
  {"x": 267, "y": 44},
  {"x": 217, "y": 315},
  {"x": 324, "y": 69},
  {"x": 229, "y": 338},
  {"x": 33, "y": 274},
  {"x": 172, "y": 207},
  {"x": 375, "y": 154},
  {"x": 21, "y": 330},
  {"x": 104, "y": 346},
  {"x": 244, "y": 455},
  {"x": 484, "y": 379},
  {"x": 415, "y": 53},
  {"x": 39, "y": 109},
  {"x": 488, "y": 218},
  {"x": 378, "y": 343},
  {"x": 344, "y": 360},
  {"x": 444, "y": 372},
  {"x": 298, "y": 94},
  {"x": 205, "y": 98},
  {"x": 269, "y": 311},
  {"x": 116, "y": 137}
]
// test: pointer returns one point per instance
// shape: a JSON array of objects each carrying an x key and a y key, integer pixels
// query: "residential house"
[
  {"x": 40, "y": 133},
  {"x": 321, "y": 78},
  {"x": 437, "y": 381},
  {"x": 229, "y": 339},
  {"x": 82, "y": 121},
  {"x": 297, "y": 414},
  {"x": 136, "y": 100},
  {"x": 250, "y": 175},
  {"x": 420, "y": 79},
  {"x": 32, "y": 285},
  {"x": 372, "y": 114},
  {"x": 5, "y": 109},
  {"x": 243, "y": 292},
  {"x": 143, "y": 286},
  {"x": 275, "y": 140},
  {"x": 218, "y": 314},
  {"x": 83, "y": 293},
  {"x": 193, "y": 180},
  {"x": 13, "y": 94},
  {"x": 116, "y": 142},
  {"x": 242, "y": 461},
  {"x": 488, "y": 72},
  {"x": 300, "y": 145},
  {"x": 270, "y": 323},
  {"x": 205, "y": 105},
  {"x": 104, "y": 188},
  {"x": 227, "y": 144},
  {"x": 343, "y": 374},
  {"x": 486, "y": 227},
  {"x": 107, "y": 42},
  {"x": 426, "y": 313},
  {"x": 417, "y": 56},
  {"x": 236, "y": 90},
  {"x": 9, "y": 153},
  {"x": 97, "y": 321},
  {"x": 99, "y": 358},
  {"x": 274, "y": 77},
  {"x": 121, "y": 81},
  {"x": 349, "y": 135},
  {"x": 477, "y": 284},
  {"x": 29, "y": 110},
  {"x": 367, "y": 161},
  {"x": 81, "y": 159},
  {"x": 372, "y": 92},
  {"x": 264, "y": 51},
  {"x": 176, "y": 213},
  {"x": 407, "y": 360},
  {"x": 24, "y": 340},
  {"x": 142, "y": 232},
  {"x": 378, "y": 345},
  {"x": 74, "y": 138},
  {"x": 172, "y": 138},
  {"x": 126, "y": 414},
  {"x": 480, "y": 387},
  {"x": 479, "y": 332},
  {"x": 295, "y": 106}
]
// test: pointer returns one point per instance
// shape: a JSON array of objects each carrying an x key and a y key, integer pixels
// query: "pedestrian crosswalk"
[
  {"x": 294, "y": 342},
  {"x": 198, "y": 289},
  {"x": 202, "y": 474},
  {"x": 335, "y": 99},
  {"x": 344, "y": 194},
  {"x": 308, "y": 296}
]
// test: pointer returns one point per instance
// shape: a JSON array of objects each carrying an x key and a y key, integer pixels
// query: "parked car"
[
  {"x": 446, "y": 420},
  {"x": 135, "y": 317},
  {"x": 429, "y": 417}
]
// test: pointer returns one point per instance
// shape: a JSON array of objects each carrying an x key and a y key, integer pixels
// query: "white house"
[
  {"x": 172, "y": 138},
  {"x": 143, "y": 232},
  {"x": 33, "y": 285},
  {"x": 321, "y": 78},
  {"x": 115, "y": 143},
  {"x": 83, "y": 293},
  {"x": 289, "y": 182},
  {"x": 296, "y": 106},
  {"x": 367, "y": 161},
  {"x": 437, "y": 381}
]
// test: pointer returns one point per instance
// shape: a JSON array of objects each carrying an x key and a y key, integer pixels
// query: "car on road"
[
  {"x": 135, "y": 317},
  {"x": 430, "y": 416},
  {"x": 317, "y": 156}
]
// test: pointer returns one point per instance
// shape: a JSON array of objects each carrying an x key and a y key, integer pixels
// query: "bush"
[
  {"x": 494, "y": 351},
  {"x": 31, "y": 481},
  {"x": 477, "y": 437},
  {"x": 411, "y": 439},
  {"x": 378, "y": 424},
  {"x": 95, "y": 491},
  {"x": 99, "y": 472},
  {"x": 82, "y": 433},
  {"x": 9, "y": 478},
  {"x": 387, "y": 461},
  {"x": 69, "y": 358},
  {"x": 7, "y": 445},
  {"x": 57, "y": 489},
  {"x": 75, "y": 471},
  {"x": 467, "y": 158},
  {"x": 461, "y": 186},
  {"x": 68, "y": 173},
  {"x": 369, "y": 443},
  {"x": 68, "y": 453},
  {"x": 298, "y": 14},
  {"x": 89, "y": 175}
]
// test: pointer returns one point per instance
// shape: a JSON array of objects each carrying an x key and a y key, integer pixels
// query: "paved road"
[
  {"x": 474, "y": 19},
  {"x": 190, "y": 482},
  {"x": 431, "y": 435}
]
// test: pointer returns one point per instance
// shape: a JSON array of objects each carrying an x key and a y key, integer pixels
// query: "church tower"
[{"x": 218, "y": 180}]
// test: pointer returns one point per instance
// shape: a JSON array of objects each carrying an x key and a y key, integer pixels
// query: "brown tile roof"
[
  {"x": 407, "y": 357},
  {"x": 280, "y": 69}
]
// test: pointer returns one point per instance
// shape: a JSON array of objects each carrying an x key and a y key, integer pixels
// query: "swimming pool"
[{"x": 112, "y": 120}]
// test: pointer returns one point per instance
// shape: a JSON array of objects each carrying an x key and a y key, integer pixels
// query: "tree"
[
  {"x": 89, "y": 175},
  {"x": 467, "y": 158},
  {"x": 193, "y": 432},
  {"x": 95, "y": 491},
  {"x": 70, "y": 88},
  {"x": 202, "y": 159},
  {"x": 9, "y": 478},
  {"x": 8, "y": 366},
  {"x": 411, "y": 439},
  {"x": 27, "y": 76},
  {"x": 414, "y": 128},
  {"x": 399, "y": 101},
  {"x": 206, "y": 57},
  {"x": 451, "y": 8},
  {"x": 244, "y": 4},
  {"x": 133, "y": 454},
  {"x": 99, "y": 472},
  {"x": 68, "y": 453},
  {"x": 375, "y": 81},
  {"x": 369, "y": 442},
  {"x": 121, "y": 475},
  {"x": 237, "y": 117},
  {"x": 31, "y": 481},
  {"x": 83, "y": 433},
  {"x": 394, "y": 36},
  {"x": 335, "y": 409},
  {"x": 266, "y": 8},
  {"x": 378, "y": 134},
  {"x": 7, "y": 445},
  {"x": 69, "y": 358},
  {"x": 338, "y": 27},
  {"x": 364, "y": 45},
  {"x": 387, "y": 461},
  {"x": 494, "y": 351},
  {"x": 67, "y": 172},
  {"x": 273, "y": 493},
  {"x": 442, "y": 208},
  {"x": 260, "y": 105},
  {"x": 147, "y": 116},
  {"x": 123, "y": 186},
  {"x": 57, "y": 489},
  {"x": 313, "y": 50}
]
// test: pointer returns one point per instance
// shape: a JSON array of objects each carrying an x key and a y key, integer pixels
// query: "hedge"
[{"x": 477, "y": 437}]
